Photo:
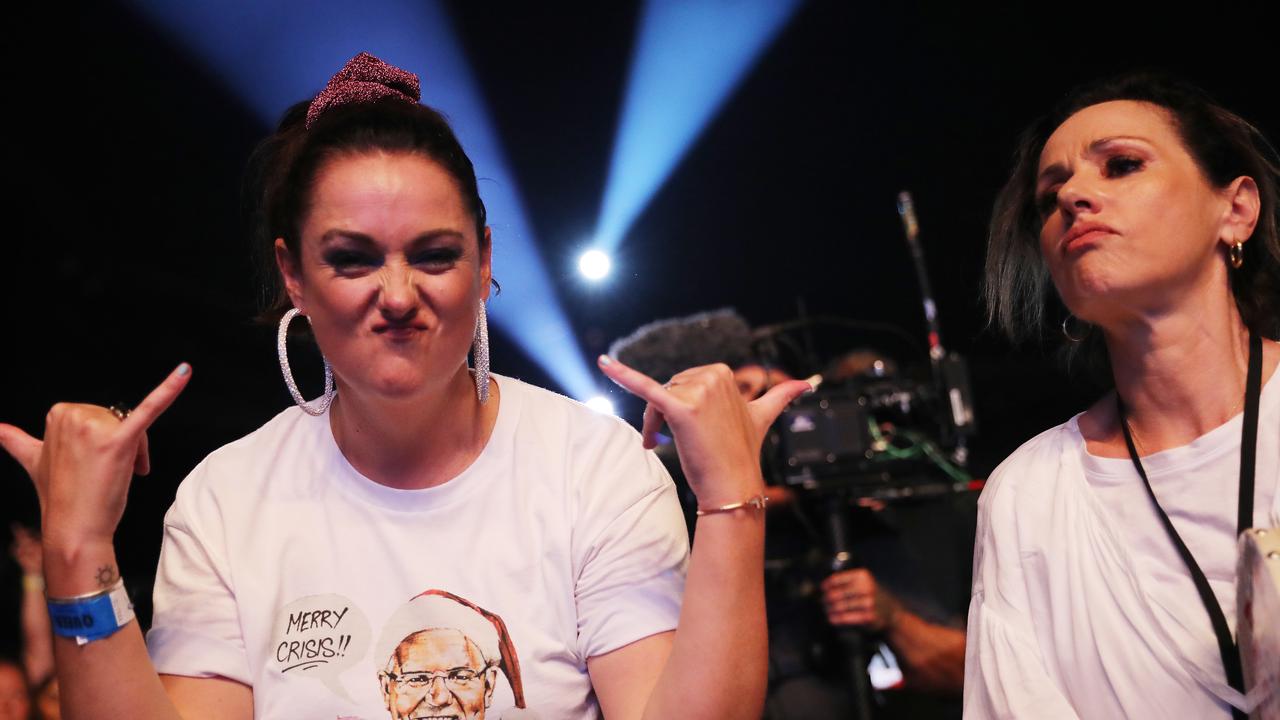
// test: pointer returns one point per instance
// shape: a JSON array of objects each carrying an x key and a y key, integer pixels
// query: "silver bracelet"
[{"x": 758, "y": 502}]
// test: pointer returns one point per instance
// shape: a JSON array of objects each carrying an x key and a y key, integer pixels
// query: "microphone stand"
[{"x": 949, "y": 371}]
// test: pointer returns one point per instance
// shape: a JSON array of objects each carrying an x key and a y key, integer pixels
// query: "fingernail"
[
  {"x": 604, "y": 360},
  {"x": 184, "y": 369},
  {"x": 815, "y": 381}
]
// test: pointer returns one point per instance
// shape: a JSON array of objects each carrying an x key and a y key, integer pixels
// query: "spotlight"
[
  {"x": 687, "y": 60},
  {"x": 600, "y": 404},
  {"x": 594, "y": 264}
]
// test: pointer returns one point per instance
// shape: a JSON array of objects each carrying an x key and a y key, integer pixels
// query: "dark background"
[{"x": 126, "y": 253}]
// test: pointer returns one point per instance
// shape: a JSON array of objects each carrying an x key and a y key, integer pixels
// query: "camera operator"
[{"x": 911, "y": 592}]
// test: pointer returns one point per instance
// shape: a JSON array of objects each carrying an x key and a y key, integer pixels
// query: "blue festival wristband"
[{"x": 91, "y": 617}]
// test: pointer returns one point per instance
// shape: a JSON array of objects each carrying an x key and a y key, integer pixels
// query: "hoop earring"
[
  {"x": 1235, "y": 254},
  {"x": 480, "y": 355},
  {"x": 1066, "y": 332},
  {"x": 320, "y": 405}
]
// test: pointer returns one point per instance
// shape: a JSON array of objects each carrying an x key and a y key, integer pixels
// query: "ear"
[
  {"x": 490, "y": 674},
  {"x": 384, "y": 679},
  {"x": 486, "y": 264},
  {"x": 1241, "y": 215},
  {"x": 290, "y": 268}
]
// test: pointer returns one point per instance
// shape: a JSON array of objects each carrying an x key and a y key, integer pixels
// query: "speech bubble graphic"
[{"x": 320, "y": 637}]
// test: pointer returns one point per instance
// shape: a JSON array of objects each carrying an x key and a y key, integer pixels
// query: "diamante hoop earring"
[
  {"x": 1235, "y": 254},
  {"x": 1066, "y": 331},
  {"x": 319, "y": 405},
  {"x": 480, "y": 355}
]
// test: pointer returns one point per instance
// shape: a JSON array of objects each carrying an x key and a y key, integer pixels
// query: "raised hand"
[
  {"x": 717, "y": 433},
  {"x": 82, "y": 467},
  {"x": 26, "y": 550}
]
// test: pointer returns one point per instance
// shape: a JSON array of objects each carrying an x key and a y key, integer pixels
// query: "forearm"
[
  {"x": 931, "y": 656},
  {"x": 37, "y": 637},
  {"x": 108, "y": 678},
  {"x": 718, "y": 666}
]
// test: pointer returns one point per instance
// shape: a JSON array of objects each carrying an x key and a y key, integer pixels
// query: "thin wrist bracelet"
[
  {"x": 91, "y": 616},
  {"x": 758, "y": 502}
]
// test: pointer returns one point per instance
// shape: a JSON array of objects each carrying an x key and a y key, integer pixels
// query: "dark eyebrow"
[
  {"x": 1058, "y": 171},
  {"x": 336, "y": 234}
]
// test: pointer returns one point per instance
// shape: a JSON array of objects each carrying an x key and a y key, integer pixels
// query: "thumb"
[
  {"x": 24, "y": 448},
  {"x": 766, "y": 408}
]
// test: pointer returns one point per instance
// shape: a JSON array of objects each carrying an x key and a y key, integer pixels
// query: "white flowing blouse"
[{"x": 1081, "y": 606}]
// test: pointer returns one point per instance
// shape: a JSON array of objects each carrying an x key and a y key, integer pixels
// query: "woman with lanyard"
[{"x": 1104, "y": 583}]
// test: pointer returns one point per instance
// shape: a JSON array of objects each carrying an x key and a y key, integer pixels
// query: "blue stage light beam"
[
  {"x": 689, "y": 56},
  {"x": 272, "y": 54}
]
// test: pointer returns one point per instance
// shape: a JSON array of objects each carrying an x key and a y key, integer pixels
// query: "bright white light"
[
  {"x": 594, "y": 264},
  {"x": 883, "y": 669},
  {"x": 600, "y": 404}
]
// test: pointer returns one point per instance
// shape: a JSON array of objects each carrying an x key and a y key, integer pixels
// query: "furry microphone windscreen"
[{"x": 663, "y": 348}]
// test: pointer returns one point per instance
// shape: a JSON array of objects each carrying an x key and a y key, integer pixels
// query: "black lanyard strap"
[
  {"x": 1227, "y": 645},
  {"x": 1249, "y": 434}
]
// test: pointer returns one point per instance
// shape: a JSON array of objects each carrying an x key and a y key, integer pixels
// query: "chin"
[
  {"x": 398, "y": 386},
  {"x": 1091, "y": 283}
]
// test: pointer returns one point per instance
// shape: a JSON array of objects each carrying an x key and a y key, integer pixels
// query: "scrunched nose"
[{"x": 398, "y": 297}]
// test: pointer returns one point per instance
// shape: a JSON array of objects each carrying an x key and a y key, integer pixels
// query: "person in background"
[
  {"x": 15, "y": 695},
  {"x": 37, "y": 635},
  {"x": 929, "y": 644},
  {"x": 47, "y": 701}
]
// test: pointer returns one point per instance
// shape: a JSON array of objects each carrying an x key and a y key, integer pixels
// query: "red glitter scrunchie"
[{"x": 364, "y": 79}]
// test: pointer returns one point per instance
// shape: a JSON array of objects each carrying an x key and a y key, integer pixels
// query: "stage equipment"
[
  {"x": 869, "y": 433},
  {"x": 950, "y": 372},
  {"x": 872, "y": 436}
]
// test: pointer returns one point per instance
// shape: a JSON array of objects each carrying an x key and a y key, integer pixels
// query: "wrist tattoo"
[{"x": 107, "y": 576}]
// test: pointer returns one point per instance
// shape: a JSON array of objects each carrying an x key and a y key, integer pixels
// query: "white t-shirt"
[
  {"x": 1081, "y": 606},
  {"x": 336, "y": 597}
]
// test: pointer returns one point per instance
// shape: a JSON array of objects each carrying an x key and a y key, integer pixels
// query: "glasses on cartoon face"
[{"x": 456, "y": 679}]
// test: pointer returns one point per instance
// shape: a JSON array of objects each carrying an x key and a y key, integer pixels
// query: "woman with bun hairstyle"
[
  {"x": 537, "y": 543},
  {"x": 1104, "y": 583}
]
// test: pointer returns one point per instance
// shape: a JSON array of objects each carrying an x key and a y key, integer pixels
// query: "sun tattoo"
[{"x": 107, "y": 576}]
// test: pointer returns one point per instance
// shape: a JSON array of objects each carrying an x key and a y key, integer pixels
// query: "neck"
[
  {"x": 1180, "y": 372},
  {"x": 415, "y": 442}
]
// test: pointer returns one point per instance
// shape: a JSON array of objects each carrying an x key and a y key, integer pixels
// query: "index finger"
[
  {"x": 158, "y": 400},
  {"x": 635, "y": 382}
]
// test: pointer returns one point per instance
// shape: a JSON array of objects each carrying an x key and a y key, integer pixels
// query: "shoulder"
[
  {"x": 243, "y": 466},
  {"x": 1031, "y": 473},
  {"x": 564, "y": 420},
  {"x": 1016, "y": 507},
  {"x": 598, "y": 452},
  {"x": 550, "y": 406}
]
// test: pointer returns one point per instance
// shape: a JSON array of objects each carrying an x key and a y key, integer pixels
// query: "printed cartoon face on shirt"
[
  {"x": 441, "y": 656},
  {"x": 438, "y": 673}
]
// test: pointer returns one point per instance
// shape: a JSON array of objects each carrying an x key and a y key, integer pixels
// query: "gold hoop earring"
[{"x": 1235, "y": 254}]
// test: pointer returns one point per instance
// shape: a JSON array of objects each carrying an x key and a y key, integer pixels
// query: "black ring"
[{"x": 120, "y": 410}]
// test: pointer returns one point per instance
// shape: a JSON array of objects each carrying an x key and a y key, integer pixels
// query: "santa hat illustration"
[{"x": 441, "y": 609}]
